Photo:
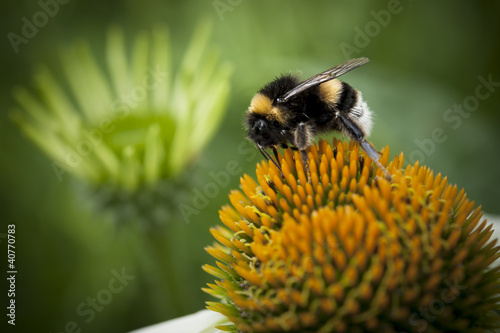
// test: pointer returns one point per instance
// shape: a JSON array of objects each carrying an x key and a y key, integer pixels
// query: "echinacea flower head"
[
  {"x": 350, "y": 251},
  {"x": 129, "y": 129}
]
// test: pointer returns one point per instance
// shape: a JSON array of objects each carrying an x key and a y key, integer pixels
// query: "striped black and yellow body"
[{"x": 289, "y": 112}]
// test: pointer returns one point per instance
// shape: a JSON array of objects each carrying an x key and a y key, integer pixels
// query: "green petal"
[
  {"x": 161, "y": 63},
  {"x": 117, "y": 62}
]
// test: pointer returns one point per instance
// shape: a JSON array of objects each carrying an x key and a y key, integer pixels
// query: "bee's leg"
[
  {"x": 276, "y": 156},
  {"x": 375, "y": 157},
  {"x": 303, "y": 136},
  {"x": 357, "y": 134},
  {"x": 305, "y": 162}
]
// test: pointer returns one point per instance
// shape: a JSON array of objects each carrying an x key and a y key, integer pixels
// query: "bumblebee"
[{"x": 287, "y": 111}]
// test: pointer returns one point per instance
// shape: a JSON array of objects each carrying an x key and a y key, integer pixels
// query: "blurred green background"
[{"x": 426, "y": 57}]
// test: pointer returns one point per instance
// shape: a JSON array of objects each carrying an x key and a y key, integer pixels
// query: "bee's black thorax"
[
  {"x": 279, "y": 86},
  {"x": 320, "y": 106}
]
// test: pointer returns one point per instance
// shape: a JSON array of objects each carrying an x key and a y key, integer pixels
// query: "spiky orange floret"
[{"x": 350, "y": 250}]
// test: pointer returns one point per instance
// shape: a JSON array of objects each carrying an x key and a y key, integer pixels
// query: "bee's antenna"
[
  {"x": 276, "y": 156},
  {"x": 269, "y": 157}
]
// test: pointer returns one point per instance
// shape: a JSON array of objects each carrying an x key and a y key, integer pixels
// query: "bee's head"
[
  {"x": 263, "y": 132},
  {"x": 265, "y": 122}
]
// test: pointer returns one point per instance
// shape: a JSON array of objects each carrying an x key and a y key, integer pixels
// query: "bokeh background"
[{"x": 425, "y": 59}]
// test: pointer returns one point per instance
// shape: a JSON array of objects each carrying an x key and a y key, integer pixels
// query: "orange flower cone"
[{"x": 351, "y": 251}]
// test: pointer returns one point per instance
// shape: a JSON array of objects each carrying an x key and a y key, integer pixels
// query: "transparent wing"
[{"x": 324, "y": 76}]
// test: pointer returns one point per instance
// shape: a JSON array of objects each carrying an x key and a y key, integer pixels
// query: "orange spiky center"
[{"x": 350, "y": 249}]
